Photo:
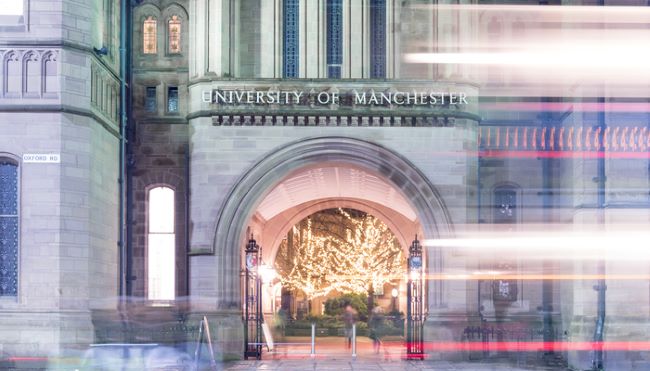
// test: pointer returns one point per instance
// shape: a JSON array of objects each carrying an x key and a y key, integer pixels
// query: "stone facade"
[
  {"x": 457, "y": 168},
  {"x": 59, "y": 97}
]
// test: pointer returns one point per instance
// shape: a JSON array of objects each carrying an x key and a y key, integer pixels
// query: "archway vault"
[
  {"x": 276, "y": 229},
  {"x": 251, "y": 189}
]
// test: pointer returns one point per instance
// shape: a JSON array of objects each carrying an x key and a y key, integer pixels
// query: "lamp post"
[
  {"x": 253, "y": 302},
  {"x": 394, "y": 294},
  {"x": 414, "y": 298}
]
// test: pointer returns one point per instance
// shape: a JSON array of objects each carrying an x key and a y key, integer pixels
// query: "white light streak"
[{"x": 611, "y": 246}]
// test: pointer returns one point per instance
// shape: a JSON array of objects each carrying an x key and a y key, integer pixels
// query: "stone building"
[
  {"x": 59, "y": 154},
  {"x": 247, "y": 116}
]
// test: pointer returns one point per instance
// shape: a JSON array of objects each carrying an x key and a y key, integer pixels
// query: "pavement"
[
  {"x": 371, "y": 365},
  {"x": 332, "y": 354}
]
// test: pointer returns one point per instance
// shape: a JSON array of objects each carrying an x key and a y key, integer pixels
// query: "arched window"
[
  {"x": 378, "y": 39},
  {"x": 51, "y": 84},
  {"x": 161, "y": 245},
  {"x": 8, "y": 227},
  {"x": 32, "y": 74},
  {"x": 13, "y": 79},
  {"x": 174, "y": 30},
  {"x": 149, "y": 38},
  {"x": 291, "y": 52},
  {"x": 334, "y": 38},
  {"x": 505, "y": 205}
]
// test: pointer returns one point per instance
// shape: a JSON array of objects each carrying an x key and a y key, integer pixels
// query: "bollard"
[
  {"x": 313, "y": 339},
  {"x": 354, "y": 340}
]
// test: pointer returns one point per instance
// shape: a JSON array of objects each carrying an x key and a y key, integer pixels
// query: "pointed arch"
[
  {"x": 32, "y": 74},
  {"x": 243, "y": 199}
]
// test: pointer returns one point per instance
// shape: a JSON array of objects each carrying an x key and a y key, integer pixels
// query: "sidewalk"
[
  {"x": 370, "y": 365},
  {"x": 332, "y": 354}
]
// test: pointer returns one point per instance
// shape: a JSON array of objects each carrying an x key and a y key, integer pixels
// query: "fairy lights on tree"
[{"x": 340, "y": 251}]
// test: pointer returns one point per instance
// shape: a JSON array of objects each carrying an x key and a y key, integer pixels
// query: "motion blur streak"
[
  {"x": 569, "y": 245},
  {"x": 534, "y": 346},
  {"x": 536, "y": 277},
  {"x": 554, "y": 50},
  {"x": 565, "y": 154},
  {"x": 541, "y": 56}
]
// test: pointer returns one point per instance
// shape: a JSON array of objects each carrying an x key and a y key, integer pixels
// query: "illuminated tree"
[{"x": 340, "y": 251}]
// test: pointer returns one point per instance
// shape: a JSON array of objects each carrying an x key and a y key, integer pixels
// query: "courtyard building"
[{"x": 145, "y": 144}]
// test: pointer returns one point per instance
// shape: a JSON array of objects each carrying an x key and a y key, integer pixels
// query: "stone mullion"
[
  {"x": 355, "y": 35},
  {"x": 268, "y": 23},
  {"x": 235, "y": 37},
  {"x": 392, "y": 43},
  {"x": 365, "y": 34},
  {"x": 346, "y": 29}
]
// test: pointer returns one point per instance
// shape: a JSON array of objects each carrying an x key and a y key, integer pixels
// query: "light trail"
[
  {"x": 536, "y": 277},
  {"x": 564, "y": 154},
  {"x": 535, "y": 346},
  {"x": 612, "y": 245}
]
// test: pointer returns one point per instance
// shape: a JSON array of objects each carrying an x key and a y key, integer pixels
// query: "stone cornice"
[{"x": 61, "y": 108}]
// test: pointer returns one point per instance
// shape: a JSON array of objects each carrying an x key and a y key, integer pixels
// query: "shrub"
[{"x": 336, "y": 306}]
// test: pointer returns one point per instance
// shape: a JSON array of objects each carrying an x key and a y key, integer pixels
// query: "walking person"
[
  {"x": 349, "y": 318},
  {"x": 376, "y": 323}
]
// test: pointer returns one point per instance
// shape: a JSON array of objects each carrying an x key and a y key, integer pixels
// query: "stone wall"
[{"x": 68, "y": 211}]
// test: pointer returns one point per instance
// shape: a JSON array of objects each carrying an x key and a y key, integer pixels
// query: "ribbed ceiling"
[{"x": 332, "y": 182}]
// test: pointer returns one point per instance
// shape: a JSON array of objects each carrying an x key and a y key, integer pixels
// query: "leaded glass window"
[
  {"x": 505, "y": 205},
  {"x": 291, "y": 38},
  {"x": 161, "y": 245},
  {"x": 8, "y": 228},
  {"x": 378, "y": 39},
  {"x": 172, "y": 99},
  {"x": 174, "y": 35},
  {"x": 334, "y": 38},
  {"x": 150, "y": 99},
  {"x": 150, "y": 36}
]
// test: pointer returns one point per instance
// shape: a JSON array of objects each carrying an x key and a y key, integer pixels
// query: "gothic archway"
[{"x": 251, "y": 188}]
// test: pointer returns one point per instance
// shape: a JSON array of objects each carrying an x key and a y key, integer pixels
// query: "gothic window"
[
  {"x": 13, "y": 78},
  {"x": 51, "y": 83},
  {"x": 8, "y": 227},
  {"x": 32, "y": 74},
  {"x": 334, "y": 38},
  {"x": 505, "y": 205},
  {"x": 161, "y": 245},
  {"x": 150, "y": 99},
  {"x": 378, "y": 39},
  {"x": 149, "y": 32},
  {"x": 174, "y": 29},
  {"x": 172, "y": 99},
  {"x": 291, "y": 52}
]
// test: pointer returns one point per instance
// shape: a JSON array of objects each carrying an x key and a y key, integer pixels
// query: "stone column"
[
  {"x": 271, "y": 39},
  {"x": 353, "y": 42},
  {"x": 210, "y": 37}
]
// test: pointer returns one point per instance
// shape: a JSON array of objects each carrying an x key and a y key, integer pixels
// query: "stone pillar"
[
  {"x": 215, "y": 52},
  {"x": 354, "y": 29},
  {"x": 271, "y": 39},
  {"x": 312, "y": 39}
]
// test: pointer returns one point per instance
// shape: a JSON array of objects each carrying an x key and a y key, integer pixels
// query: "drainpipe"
[
  {"x": 187, "y": 220},
  {"x": 601, "y": 286},
  {"x": 124, "y": 62},
  {"x": 548, "y": 332}
]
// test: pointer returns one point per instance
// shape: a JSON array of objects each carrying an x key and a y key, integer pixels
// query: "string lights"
[{"x": 339, "y": 251}]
